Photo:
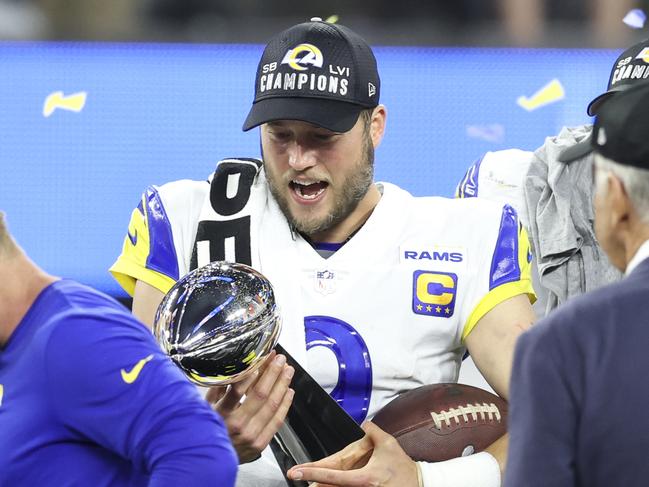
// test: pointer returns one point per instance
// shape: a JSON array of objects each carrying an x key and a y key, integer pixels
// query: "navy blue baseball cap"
[
  {"x": 621, "y": 130},
  {"x": 316, "y": 72}
]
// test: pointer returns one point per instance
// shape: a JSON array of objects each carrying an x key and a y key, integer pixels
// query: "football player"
[{"x": 381, "y": 291}]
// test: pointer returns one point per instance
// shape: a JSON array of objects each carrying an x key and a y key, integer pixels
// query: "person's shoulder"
[
  {"x": 472, "y": 209},
  {"x": 76, "y": 305},
  {"x": 177, "y": 200},
  {"x": 181, "y": 188}
]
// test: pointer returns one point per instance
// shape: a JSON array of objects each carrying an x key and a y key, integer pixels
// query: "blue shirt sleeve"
[
  {"x": 115, "y": 387},
  {"x": 543, "y": 412}
]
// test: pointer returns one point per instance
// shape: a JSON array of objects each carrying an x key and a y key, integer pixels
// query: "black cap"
[
  {"x": 631, "y": 67},
  {"x": 315, "y": 72},
  {"x": 621, "y": 131}
]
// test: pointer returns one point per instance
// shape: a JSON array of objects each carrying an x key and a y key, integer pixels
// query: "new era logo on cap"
[
  {"x": 601, "y": 136},
  {"x": 316, "y": 72}
]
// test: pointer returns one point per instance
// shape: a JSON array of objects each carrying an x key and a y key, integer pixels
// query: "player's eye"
[
  {"x": 324, "y": 137},
  {"x": 280, "y": 135}
]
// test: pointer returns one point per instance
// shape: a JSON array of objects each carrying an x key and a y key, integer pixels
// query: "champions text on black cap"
[
  {"x": 630, "y": 68},
  {"x": 316, "y": 72}
]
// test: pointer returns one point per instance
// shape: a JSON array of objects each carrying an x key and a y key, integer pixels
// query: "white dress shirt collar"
[{"x": 641, "y": 254}]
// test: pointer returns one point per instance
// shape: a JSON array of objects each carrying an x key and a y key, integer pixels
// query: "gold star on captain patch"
[
  {"x": 429, "y": 308},
  {"x": 438, "y": 309},
  {"x": 447, "y": 310},
  {"x": 419, "y": 307}
]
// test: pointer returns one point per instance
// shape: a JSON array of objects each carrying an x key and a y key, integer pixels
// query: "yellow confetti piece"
[
  {"x": 550, "y": 93},
  {"x": 74, "y": 102}
]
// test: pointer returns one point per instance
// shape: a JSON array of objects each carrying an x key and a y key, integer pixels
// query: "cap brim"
[
  {"x": 576, "y": 151},
  {"x": 594, "y": 105},
  {"x": 597, "y": 101},
  {"x": 334, "y": 115}
]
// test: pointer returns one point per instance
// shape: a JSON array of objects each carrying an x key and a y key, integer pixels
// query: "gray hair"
[{"x": 634, "y": 179}]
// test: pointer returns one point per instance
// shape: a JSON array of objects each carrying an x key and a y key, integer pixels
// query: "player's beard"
[{"x": 347, "y": 196}]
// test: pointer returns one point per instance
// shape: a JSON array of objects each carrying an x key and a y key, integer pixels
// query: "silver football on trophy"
[{"x": 218, "y": 323}]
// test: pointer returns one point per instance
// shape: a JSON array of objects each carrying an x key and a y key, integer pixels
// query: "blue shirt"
[
  {"x": 579, "y": 394},
  {"x": 87, "y": 398}
]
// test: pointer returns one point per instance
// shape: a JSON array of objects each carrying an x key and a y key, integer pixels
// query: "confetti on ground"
[
  {"x": 74, "y": 102},
  {"x": 550, "y": 93},
  {"x": 635, "y": 18},
  {"x": 491, "y": 133}
]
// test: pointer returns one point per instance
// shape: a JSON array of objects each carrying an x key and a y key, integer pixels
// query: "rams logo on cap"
[
  {"x": 644, "y": 55},
  {"x": 301, "y": 56}
]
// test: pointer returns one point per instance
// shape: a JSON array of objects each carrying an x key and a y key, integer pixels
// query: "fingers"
[
  {"x": 276, "y": 421},
  {"x": 375, "y": 459},
  {"x": 215, "y": 393},
  {"x": 253, "y": 423},
  {"x": 353, "y": 455},
  {"x": 328, "y": 476},
  {"x": 374, "y": 432},
  {"x": 269, "y": 402},
  {"x": 261, "y": 390},
  {"x": 231, "y": 399},
  {"x": 224, "y": 402}
]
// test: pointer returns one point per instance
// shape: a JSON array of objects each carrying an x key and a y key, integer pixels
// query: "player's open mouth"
[{"x": 308, "y": 190}]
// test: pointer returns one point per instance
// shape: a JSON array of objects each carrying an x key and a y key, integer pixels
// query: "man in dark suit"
[{"x": 578, "y": 393}]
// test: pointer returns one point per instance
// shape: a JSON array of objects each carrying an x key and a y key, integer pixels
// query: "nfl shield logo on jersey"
[{"x": 325, "y": 282}]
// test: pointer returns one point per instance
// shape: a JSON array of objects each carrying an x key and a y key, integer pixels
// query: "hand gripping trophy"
[{"x": 218, "y": 324}]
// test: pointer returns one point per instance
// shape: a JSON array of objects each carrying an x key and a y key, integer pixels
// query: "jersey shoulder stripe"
[
  {"x": 504, "y": 264},
  {"x": 155, "y": 248},
  {"x": 162, "y": 254},
  {"x": 468, "y": 187},
  {"x": 511, "y": 268}
]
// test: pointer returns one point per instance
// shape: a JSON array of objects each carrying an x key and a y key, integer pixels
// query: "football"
[{"x": 443, "y": 421}]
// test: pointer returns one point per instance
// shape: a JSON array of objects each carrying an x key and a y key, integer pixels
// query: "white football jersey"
[
  {"x": 500, "y": 176},
  {"x": 386, "y": 313}
]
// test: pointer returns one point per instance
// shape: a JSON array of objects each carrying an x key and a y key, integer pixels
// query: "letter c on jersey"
[
  {"x": 433, "y": 293},
  {"x": 353, "y": 390}
]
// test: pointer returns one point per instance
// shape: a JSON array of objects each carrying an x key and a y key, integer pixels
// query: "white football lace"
[{"x": 490, "y": 411}]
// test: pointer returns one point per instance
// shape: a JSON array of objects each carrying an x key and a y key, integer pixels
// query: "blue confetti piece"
[{"x": 635, "y": 18}]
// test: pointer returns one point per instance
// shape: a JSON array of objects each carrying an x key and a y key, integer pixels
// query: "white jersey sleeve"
[
  {"x": 489, "y": 261},
  {"x": 159, "y": 241},
  {"x": 498, "y": 176}
]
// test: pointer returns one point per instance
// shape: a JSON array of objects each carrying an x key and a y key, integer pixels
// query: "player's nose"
[{"x": 301, "y": 157}]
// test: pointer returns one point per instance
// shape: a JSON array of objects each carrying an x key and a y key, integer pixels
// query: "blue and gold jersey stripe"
[
  {"x": 468, "y": 187},
  {"x": 148, "y": 253},
  {"x": 511, "y": 268}
]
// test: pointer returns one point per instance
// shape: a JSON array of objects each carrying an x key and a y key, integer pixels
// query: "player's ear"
[{"x": 377, "y": 124}]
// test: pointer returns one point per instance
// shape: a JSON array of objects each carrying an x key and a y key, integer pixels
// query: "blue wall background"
[{"x": 156, "y": 113}]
